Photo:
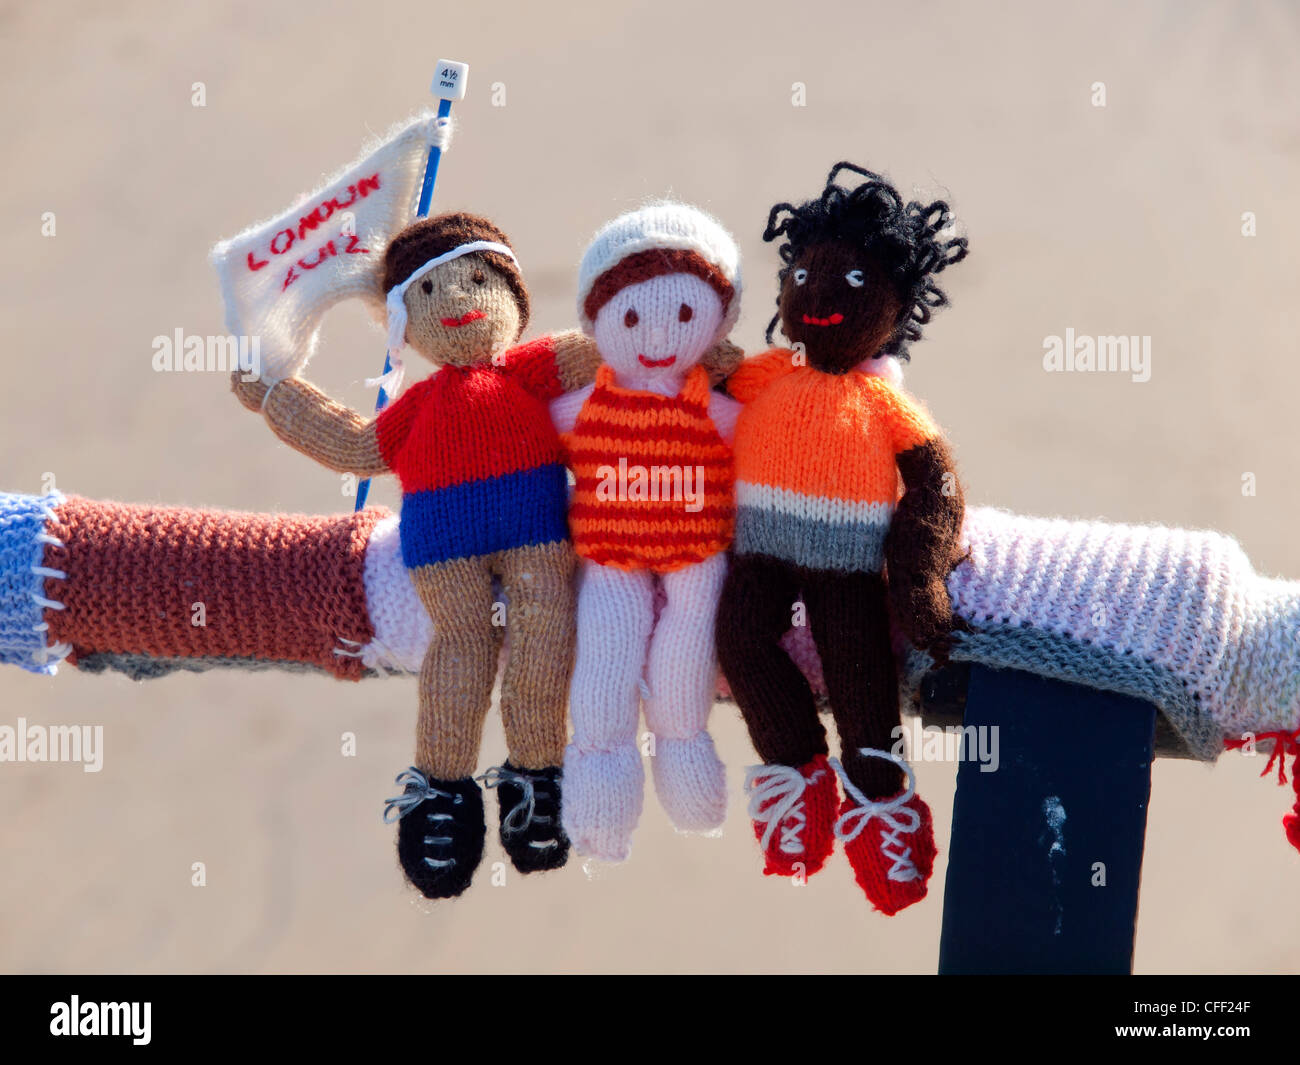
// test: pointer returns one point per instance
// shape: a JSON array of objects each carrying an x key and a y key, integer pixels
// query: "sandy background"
[{"x": 1122, "y": 219}]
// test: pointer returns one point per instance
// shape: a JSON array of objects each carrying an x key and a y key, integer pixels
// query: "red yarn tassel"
[
  {"x": 1291, "y": 822},
  {"x": 1284, "y": 743}
]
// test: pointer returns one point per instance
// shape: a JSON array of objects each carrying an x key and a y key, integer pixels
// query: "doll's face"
[
  {"x": 839, "y": 304},
  {"x": 658, "y": 329},
  {"x": 461, "y": 312}
]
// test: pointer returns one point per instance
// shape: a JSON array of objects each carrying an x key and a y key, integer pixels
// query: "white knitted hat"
[{"x": 668, "y": 226}]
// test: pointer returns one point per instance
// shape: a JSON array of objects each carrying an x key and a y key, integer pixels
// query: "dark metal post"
[{"x": 1046, "y": 851}]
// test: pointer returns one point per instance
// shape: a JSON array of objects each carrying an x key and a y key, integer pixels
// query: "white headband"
[{"x": 396, "y": 302}]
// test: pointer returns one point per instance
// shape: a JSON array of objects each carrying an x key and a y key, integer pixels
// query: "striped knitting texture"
[
  {"x": 276, "y": 587},
  {"x": 816, "y": 471},
  {"x": 1169, "y": 615},
  {"x": 23, "y": 630},
  {"x": 623, "y": 428}
]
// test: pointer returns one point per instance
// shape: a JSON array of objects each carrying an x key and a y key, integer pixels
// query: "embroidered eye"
[
  {"x": 855, "y": 278},
  {"x": 478, "y": 277},
  {"x": 685, "y": 314},
  {"x": 631, "y": 318},
  {"x": 427, "y": 286},
  {"x": 800, "y": 276}
]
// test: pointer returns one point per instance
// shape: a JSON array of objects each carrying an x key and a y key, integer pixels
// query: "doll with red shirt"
[{"x": 484, "y": 496}]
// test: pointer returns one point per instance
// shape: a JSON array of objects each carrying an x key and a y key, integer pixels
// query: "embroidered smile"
[
  {"x": 655, "y": 364},
  {"x": 464, "y": 319},
  {"x": 834, "y": 319}
]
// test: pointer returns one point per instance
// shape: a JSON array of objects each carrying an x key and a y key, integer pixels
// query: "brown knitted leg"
[
  {"x": 538, "y": 585},
  {"x": 850, "y": 625},
  {"x": 460, "y": 666},
  {"x": 754, "y": 612}
]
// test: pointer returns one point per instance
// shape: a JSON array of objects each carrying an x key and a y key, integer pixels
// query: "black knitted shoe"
[
  {"x": 529, "y": 802},
  {"x": 440, "y": 832}
]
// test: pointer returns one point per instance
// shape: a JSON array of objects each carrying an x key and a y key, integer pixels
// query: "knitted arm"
[
  {"x": 561, "y": 363},
  {"x": 576, "y": 359},
  {"x": 724, "y": 412},
  {"x": 309, "y": 421},
  {"x": 722, "y": 360},
  {"x": 922, "y": 545},
  {"x": 565, "y": 410}
]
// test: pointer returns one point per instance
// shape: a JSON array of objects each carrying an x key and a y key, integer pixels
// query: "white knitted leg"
[
  {"x": 603, "y": 777},
  {"x": 682, "y": 677}
]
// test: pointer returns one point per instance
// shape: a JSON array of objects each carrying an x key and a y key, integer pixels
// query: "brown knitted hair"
[
  {"x": 430, "y": 237},
  {"x": 643, "y": 265}
]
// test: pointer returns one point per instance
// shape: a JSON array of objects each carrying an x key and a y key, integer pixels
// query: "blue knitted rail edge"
[{"x": 22, "y": 587}]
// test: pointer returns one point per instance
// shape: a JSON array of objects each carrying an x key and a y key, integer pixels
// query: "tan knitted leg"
[
  {"x": 460, "y": 666},
  {"x": 540, "y": 620}
]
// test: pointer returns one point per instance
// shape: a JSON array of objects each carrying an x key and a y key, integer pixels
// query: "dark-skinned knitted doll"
[
  {"x": 820, "y": 447},
  {"x": 484, "y": 495}
]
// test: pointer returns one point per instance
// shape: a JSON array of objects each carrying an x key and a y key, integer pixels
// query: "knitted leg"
[
  {"x": 603, "y": 777},
  {"x": 850, "y": 625},
  {"x": 459, "y": 667},
  {"x": 682, "y": 676},
  {"x": 754, "y": 612},
  {"x": 538, "y": 583}
]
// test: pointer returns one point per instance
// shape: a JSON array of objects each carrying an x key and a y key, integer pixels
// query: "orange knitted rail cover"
[{"x": 175, "y": 582}]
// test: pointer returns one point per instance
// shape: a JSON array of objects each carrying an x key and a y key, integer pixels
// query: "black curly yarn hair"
[{"x": 904, "y": 237}]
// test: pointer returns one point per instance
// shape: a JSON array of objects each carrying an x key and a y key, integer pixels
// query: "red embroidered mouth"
[
  {"x": 834, "y": 319},
  {"x": 655, "y": 364},
  {"x": 464, "y": 319}
]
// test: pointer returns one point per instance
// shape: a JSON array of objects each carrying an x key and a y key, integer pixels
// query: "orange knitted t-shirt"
[{"x": 816, "y": 471}]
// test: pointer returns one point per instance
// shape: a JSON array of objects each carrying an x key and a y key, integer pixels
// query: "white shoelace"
[
  {"x": 776, "y": 797},
  {"x": 901, "y": 820}
]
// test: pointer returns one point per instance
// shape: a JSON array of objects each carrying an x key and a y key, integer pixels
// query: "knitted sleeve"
[
  {"x": 393, "y": 424},
  {"x": 554, "y": 364},
  {"x": 754, "y": 375},
  {"x": 909, "y": 424},
  {"x": 533, "y": 366}
]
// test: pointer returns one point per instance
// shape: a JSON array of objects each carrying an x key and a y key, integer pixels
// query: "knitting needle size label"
[{"x": 450, "y": 79}]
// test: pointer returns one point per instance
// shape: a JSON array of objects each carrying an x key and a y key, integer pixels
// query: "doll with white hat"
[{"x": 652, "y": 515}]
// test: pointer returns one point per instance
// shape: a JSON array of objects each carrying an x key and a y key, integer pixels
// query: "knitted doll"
[
  {"x": 483, "y": 496},
  {"x": 820, "y": 448},
  {"x": 649, "y": 447}
]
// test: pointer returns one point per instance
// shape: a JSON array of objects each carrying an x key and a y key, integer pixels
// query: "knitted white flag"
[{"x": 279, "y": 277}]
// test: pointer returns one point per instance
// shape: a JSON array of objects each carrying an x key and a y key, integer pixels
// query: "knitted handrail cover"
[
  {"x": 1178, "y": 618},
  {"x": 150, "y": 589},
  {"x": 1173, "y": 616}
]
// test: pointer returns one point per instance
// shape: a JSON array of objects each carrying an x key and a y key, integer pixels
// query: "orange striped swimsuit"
[{"x": 655, "y": 481}]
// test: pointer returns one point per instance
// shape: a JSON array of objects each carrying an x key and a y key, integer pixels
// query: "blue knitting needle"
[{"x": 449, "y": 84}]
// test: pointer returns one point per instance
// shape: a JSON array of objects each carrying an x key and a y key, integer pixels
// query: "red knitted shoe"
[
  {"x": 889, "y": 842},
  {"x": 793, "y": 811}
]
